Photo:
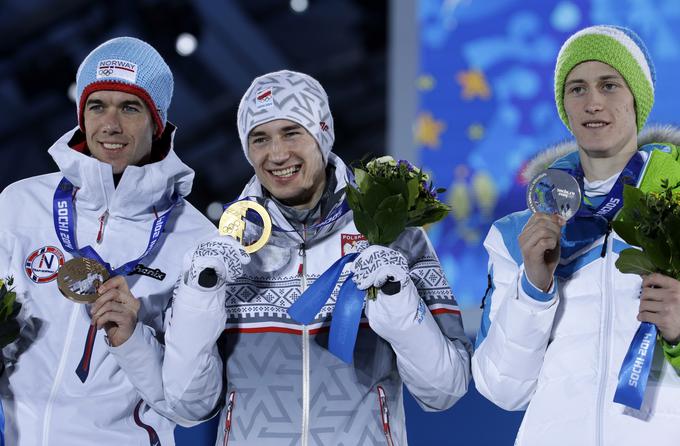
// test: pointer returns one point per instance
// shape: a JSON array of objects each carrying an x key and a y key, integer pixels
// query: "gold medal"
[
  {"x": 79, "y": 278},
  {"x": 233, "y": 224}
]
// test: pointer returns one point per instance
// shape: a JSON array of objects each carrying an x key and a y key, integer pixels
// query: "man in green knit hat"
[{"x": 559, "y": 317}]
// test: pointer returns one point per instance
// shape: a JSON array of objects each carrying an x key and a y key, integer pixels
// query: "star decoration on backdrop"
[
  {"x": 474, "y": 84},
  {"x": 428, "y": 130},
  {"x": 475, "y": 131}
]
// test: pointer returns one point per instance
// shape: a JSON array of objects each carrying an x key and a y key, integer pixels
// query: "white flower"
[{"x": 387, "y": 159}]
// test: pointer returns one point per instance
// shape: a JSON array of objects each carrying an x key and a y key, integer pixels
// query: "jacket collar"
[
  {"x": 140, "y": 189},
  {"x": 652, "y": 134},
  {"x": 254, "y": 190}
]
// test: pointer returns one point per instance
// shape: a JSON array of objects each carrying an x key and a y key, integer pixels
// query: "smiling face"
[
  {"x": 288, "y": 162},
  {"x": 601, "y": 110},
  {"x": 118, "y": 129}
]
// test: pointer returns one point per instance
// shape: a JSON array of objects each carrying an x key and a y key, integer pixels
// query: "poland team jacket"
[
  {"x": 281, "y": 384},
  {"x": 559, "y": 359},
  {"x": 121, "y": 400}
]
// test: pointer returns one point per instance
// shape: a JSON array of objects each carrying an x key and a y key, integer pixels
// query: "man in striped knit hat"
[
  {"x": 559, "y": 316},
  {"x": 282, "y": 385}
]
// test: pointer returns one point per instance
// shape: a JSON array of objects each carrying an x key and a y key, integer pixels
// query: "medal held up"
[
  {"x": 554, "y": 192},
  {"x": 233, "y": 223}
]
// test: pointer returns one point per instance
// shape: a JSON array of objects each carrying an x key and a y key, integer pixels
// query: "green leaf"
[
  {"x": 393, "y": 203},
  {"x": 656, "y": 250},
  {"x": 359, "y": 177},
  {"x": 374, "y": 194},
  {"x": 413, "y": 189},
  {"x": 634, "y": 261},
  {"x": 391, "y": 226},
  {"x": 353, "y": 198},
  {"x": 390, "y": 217},
  {"x": 365, "y": 225}
]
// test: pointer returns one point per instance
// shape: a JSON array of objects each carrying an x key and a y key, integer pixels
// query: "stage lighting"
[
  {"x": 299, "y": 6},
  {"x": 186, "y": 44}
]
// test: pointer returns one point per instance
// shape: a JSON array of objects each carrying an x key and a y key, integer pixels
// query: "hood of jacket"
[
  {"x": 653, "y": 134},
  {"x": 142, "y": 190}
]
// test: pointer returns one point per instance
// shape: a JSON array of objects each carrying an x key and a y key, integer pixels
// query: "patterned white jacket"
[{"x": 281, "y": 384}]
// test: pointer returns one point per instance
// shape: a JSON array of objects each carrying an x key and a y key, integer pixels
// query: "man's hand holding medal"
[{"x": 554, "y": 197}]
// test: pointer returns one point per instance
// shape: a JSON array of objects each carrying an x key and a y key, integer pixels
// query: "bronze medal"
[
  {"x": 79, "y": 278},
  {"x": 232, "y": 223}
]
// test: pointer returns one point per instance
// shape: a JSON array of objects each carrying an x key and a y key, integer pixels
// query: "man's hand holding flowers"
[{"x": 398, "y": 305}]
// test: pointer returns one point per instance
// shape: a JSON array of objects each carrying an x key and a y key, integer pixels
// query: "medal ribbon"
[
  {"x": 588, "y": 225},
  {"x": 347, "y": 311},
  {"x": 63, "y": 213},
  {"x": 636, "y": 366}
]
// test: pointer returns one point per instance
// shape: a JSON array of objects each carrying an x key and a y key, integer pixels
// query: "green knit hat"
[{"x": 621, "y": 49}]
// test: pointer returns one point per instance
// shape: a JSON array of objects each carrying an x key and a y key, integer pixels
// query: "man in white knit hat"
[
  {"x": 282, "y": 385},
  {"x": 84, "y": 374}
]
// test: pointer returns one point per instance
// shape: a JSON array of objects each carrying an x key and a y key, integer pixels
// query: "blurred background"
[{"x": 460, "y": 87}]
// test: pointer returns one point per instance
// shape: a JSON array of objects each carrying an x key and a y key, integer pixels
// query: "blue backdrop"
[{"x": 486, "y": 107}]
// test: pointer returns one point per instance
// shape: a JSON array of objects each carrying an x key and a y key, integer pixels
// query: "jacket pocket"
[
  {"x": 385, "y": 415},
  {"x": 227, "y": 418}
]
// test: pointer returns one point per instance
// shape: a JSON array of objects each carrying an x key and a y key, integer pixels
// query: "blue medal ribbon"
[
  {"x": 347, "y": 311},
  {"x": 591, "y": 223},
  {"x": 345, "y": 322},
  {"x": 636, "y": 366},
  {"x": 63, "y": 213}
]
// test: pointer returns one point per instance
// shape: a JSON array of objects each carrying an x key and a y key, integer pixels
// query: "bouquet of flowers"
[
  {"x": 9, "y": 309},
  {"x": 650, "y": 220},
  {"x": 390, "y": 196}
]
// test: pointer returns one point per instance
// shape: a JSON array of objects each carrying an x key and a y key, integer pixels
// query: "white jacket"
[
  {"x": 283, "y": 386},
  {"x": 559, "y": 359},
  {"x": 45, "y": 403}
]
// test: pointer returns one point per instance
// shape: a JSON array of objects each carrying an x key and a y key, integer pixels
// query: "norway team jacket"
[{"x": 121, "y": 400}]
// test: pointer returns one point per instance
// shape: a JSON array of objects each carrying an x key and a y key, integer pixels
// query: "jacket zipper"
[
  {"x": 385, "y": 415},
  {"x": 305, "y": 346},
  {"x": 604, "y": 345},
  {"x": 60, "y": 373},
  {"x": 606, "y": 239},
  {"x": 227, "y": 419},
  {"x": 102, "y": 223}
]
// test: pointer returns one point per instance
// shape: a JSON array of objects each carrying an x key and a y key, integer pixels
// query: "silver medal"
[{"x": 554, "y": 192}]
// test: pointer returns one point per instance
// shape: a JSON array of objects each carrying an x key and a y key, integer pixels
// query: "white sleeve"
[
  {"x": 141, "y": 358},
  {"x": 514, "y": 334},
  {"x": 434, "y": 367},
  {"x": 425, "y": 329},
  {"x": 192, "y": 366}
]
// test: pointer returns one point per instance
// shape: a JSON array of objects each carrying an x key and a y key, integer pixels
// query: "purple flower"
[{"x": 408, "y": 165}]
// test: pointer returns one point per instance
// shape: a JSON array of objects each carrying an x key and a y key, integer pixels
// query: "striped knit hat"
[
  {"x": 619, "y": 48},
  {"x": 287, "y": 95},
  {"x": 132, "y": 66}
]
